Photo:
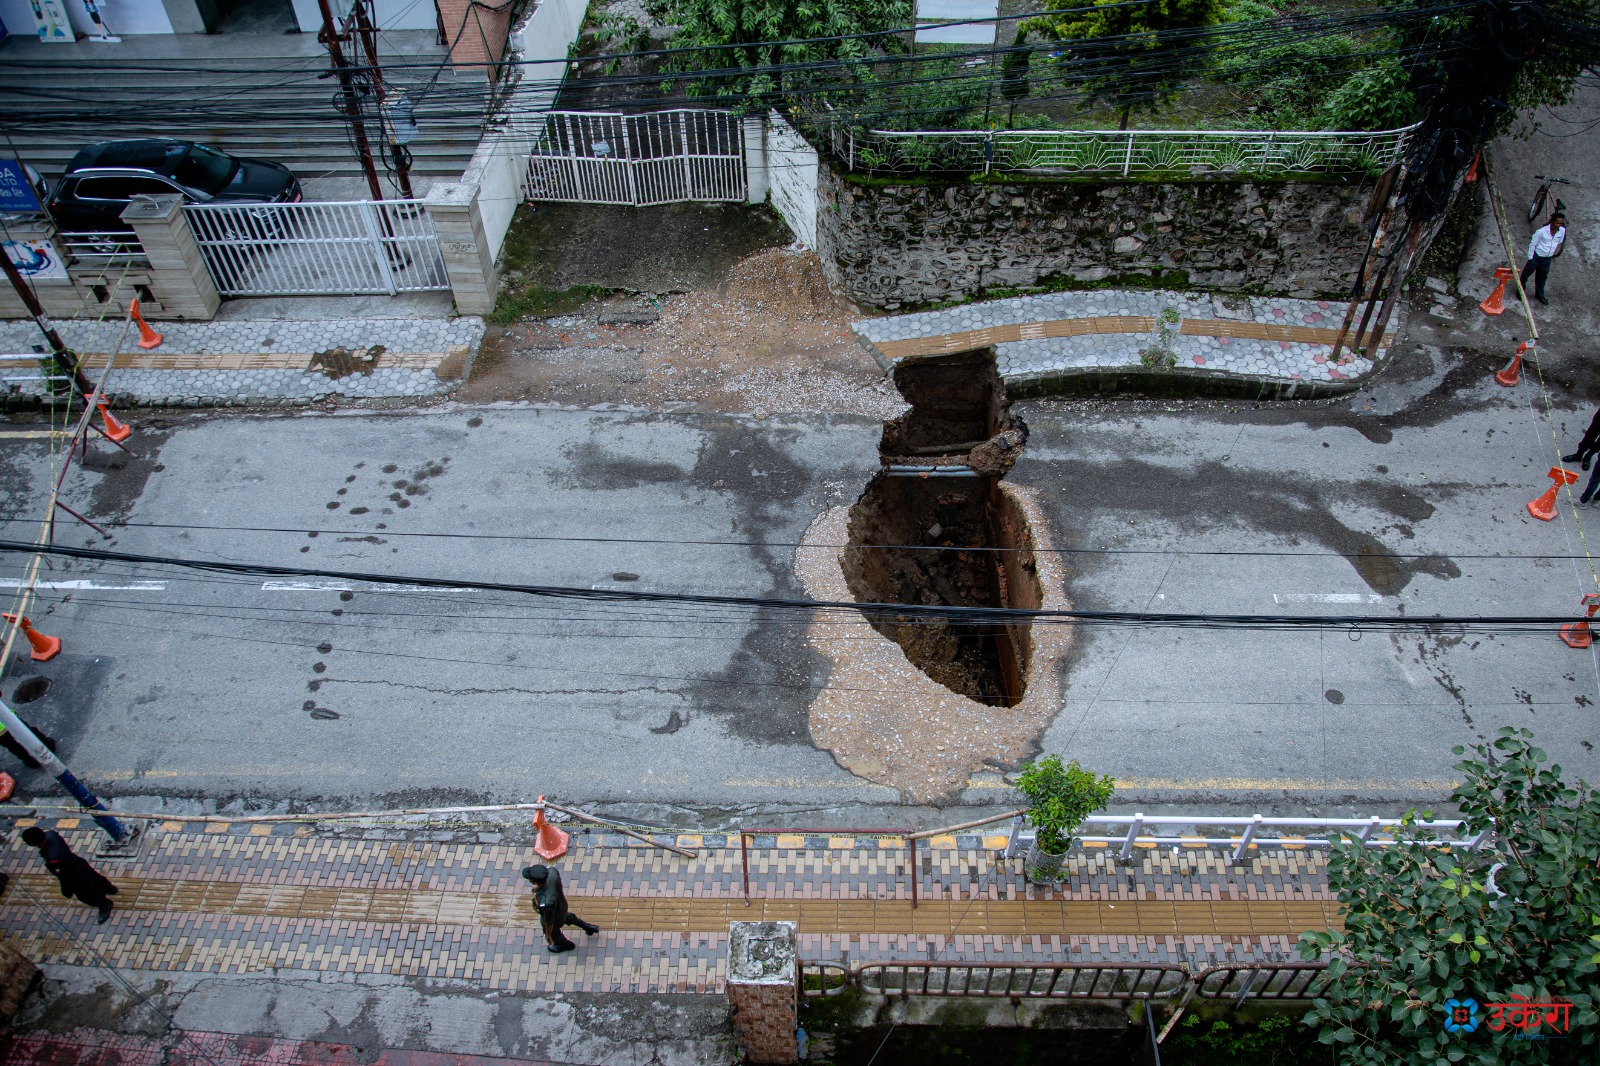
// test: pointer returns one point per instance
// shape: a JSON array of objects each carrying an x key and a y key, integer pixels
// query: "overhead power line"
[{"x": 966, "y": 615}]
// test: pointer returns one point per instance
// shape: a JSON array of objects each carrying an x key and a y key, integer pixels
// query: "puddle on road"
[{"x": 921, "y": 703}]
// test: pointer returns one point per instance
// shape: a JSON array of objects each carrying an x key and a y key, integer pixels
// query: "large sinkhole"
[{"x": 935, "y": 528}]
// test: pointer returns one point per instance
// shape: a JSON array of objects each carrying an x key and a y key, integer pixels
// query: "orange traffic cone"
[
  {"x": 1472, "y": 171},
  {"x": 552, "y": 842},
  {"x": 1513, "y": 370},
  {"x": 116, "y": 432},
  {"x": 1496, "y": 303},
  {"x": 44, "y": 648},
  {"x": 1544, "y": 508},
  {"x": 1577, "y": 634},
  {"x": 148, "y": 338}
]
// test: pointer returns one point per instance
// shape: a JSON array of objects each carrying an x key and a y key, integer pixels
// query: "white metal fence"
[
  {"x": 1173, "y": 153},
  {"x": 1256, "y": 831},
  {"x": 317, "y": 249},
  {"x": 102, "y": 248},
  {"x": 658, "y": 157}
]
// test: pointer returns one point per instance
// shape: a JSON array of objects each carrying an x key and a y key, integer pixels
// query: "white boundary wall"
[
  {"x": 792, "y": 179},
  {"x": 499, "y": 167},
  {"x": 542, "y": 46}
]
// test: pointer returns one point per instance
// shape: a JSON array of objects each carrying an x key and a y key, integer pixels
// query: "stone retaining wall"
[{"x": 908, "y": 245}]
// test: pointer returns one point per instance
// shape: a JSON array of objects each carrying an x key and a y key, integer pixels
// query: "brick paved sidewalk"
[
  {"x": 265, "y": 362},
  {"x": 241, "y": 899},
  {"x": 1056, "y": 336}
]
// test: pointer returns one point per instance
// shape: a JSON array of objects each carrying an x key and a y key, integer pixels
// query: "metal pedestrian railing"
[
  {"x": 1279, "y": 980},
  {"x": 1121, "y": 153},
  {"x": 316, "y": 249},
  {"x": 1118, "y": 982},
  {"x": 1108, "y": 981},
  {"x": 1257, "y": 832},
  {"x": 657, "y": 157},
  {"x": 102, "y": 247}
]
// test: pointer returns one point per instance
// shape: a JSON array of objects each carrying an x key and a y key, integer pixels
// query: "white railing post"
[
  {"x": 1127, "y": 159},
  {"x": 1013, "y": 841},
  {"x": 1367, "y": 833},
  {"x": 369, "y": 219},
  {"x": 1249, "y": 835},
  {"x": 1133, "y": 834},
  {"x": 1478, "y": 841}
]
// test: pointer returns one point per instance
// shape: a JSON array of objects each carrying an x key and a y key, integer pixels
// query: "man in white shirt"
[{"x": 1544, "y": 246}]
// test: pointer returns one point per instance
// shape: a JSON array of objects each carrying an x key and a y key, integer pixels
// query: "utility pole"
[
  {"x": 352, "y": 100},
  {"x": 58, "y": 347},
  {"x": 47, "y": 758},
  {"x": 398, "y": 156}
]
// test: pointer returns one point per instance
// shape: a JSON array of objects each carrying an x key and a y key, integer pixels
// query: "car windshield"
[{"x": 204, "y": 169}]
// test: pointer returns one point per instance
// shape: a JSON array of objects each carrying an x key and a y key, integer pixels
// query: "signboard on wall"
[
  {"x": 36, "y": 258},
  {"x": 16, "y": 192},
  {"x": 55, "y": 26}
]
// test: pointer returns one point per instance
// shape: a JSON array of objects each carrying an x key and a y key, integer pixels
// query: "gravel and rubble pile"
[{"x": 770, "y": 340}]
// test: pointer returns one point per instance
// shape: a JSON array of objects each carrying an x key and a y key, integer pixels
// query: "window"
[{"x": 121, "y": 188}]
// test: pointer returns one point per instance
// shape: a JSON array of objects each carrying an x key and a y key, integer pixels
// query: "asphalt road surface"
[
  {"x": 193, "y": 684},
  {"x": 1406, "y": 498}
]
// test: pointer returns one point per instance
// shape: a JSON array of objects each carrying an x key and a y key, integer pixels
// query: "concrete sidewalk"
[
  {"x": 264, "y": 362},
  {"x": 1055, "y": 338},
  {"x": 448, "y": 906}
]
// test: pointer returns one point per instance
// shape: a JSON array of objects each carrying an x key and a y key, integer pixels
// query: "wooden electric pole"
[{"x": 352, "y": 98}]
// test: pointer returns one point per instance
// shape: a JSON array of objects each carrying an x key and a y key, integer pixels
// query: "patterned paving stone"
[
  {"x": 237, "y": 898},
  {"x": 263, "y": 362},
  {"x": 1038, "y": 337}
]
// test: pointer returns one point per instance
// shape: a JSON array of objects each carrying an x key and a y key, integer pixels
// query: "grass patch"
[{"x": 537, "y": 301}]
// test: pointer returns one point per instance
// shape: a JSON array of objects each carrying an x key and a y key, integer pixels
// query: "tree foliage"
[
  {"x": 1130, "y": 64},
  {"x": 754, "y": 23},
  {"x": 1063, "y": 796},
  {"x": 1425, "y": 924},
  {"x": 1328, "y": 81}
]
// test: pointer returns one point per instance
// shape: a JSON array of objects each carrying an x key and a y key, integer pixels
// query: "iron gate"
[
  {"x": 659, "y": 157},
  {"x": 319, "y": 249}
]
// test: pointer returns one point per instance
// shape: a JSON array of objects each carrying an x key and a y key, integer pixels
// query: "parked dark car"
[{"x": 102, "y": 178}]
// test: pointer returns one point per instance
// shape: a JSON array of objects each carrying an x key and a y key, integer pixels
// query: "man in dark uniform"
[
  {"x": 77, "y": 877},
  {"x": 551, "y": 903}
]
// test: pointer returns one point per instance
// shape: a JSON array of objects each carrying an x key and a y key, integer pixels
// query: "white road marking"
[
  {"x": 98, "y": 586},
  {"x": 1328, "y": 597},
  {"x": 355, "y": 586}
]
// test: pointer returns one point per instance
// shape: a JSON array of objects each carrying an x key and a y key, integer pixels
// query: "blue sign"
[{"x": 16, "y": 194}]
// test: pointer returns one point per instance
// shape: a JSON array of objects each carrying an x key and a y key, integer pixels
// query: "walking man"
[
  {"x": 77, "y": 877},
  {"x": 1543, "y": 246},
  {"x": 1588, "y": 446},
  {"x": 551, "y": 903}
]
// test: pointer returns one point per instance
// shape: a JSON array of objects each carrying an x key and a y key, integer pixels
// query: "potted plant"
[{"x": 1063, "y": 796}]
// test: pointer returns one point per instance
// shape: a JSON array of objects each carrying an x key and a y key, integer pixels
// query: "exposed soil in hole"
[
  {"x": 30, "y": 689},
  {"x": 933, "y": 528},
  {"x": 931, "y": 541},
  {"x": 939, "y": 699}
]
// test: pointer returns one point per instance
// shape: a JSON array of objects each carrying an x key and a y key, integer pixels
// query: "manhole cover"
[{"x": 30, "y": 689}]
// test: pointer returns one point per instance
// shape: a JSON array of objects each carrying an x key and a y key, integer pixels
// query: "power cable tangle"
[{"x": 970, "y": 615}]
